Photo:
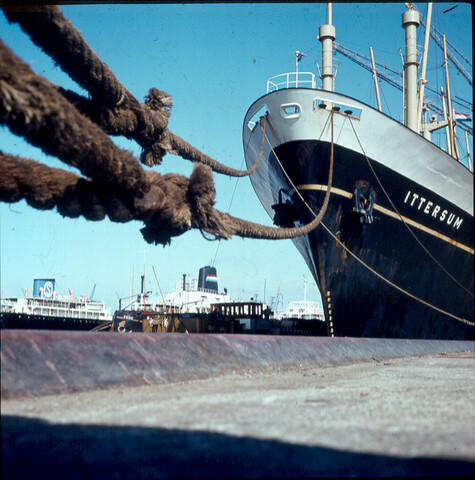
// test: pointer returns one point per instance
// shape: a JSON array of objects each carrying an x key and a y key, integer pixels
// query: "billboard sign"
[{"x": 47, "y": 284}]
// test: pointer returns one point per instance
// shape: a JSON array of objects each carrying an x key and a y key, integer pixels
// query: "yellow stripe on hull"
[{"x": 390, "y": 213}]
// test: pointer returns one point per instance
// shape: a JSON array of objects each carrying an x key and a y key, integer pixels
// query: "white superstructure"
[
  {"x": 62, "y": 306},
  {"x": 193, "y": 299},
  {"x": 191, "y": 295},
  {"x": 302, "y": 310}
]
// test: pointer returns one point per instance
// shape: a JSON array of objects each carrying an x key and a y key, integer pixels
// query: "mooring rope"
[
  {"x": 112, "y": 106},
  {"x": 156, "y": 143},
  {"x": 31, "y": 107},
  {"x": 392, "y": 284},
  {"x": 416, "y": 238},
  {"x": 73, "y": 129},
  {"x": 171, "y": 204},
  {"x": 289, "y": 233},
  {"x": 365, "y": 265},
  {"x": 66, "y": 125}
]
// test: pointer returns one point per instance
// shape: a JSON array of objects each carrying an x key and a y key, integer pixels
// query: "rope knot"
[
  {"x": 159, "y": 100},
  {"x": 154, "y": 153},
  {"x": 200, "y": 195},
  {"x": 201, "y": 198},
  {"x": 175, "y": 204}
]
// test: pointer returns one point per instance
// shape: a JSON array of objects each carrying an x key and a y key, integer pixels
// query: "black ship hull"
[
  {"x": 45, "y": 322},
  {"x": 398, "y": 264},
  {"x": 356, "y": 301}
]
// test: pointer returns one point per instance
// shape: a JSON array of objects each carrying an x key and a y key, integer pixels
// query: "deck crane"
[
  {"x": 437, "y": 37},
  {"x": 365, "y": 62},
  {"x": 395, "y": 80},
  {"x": 274, "y": 303}
]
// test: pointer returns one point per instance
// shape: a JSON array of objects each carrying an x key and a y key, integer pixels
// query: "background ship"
[
  {"x": 46, "y": 310},
  {"x": 302, "y": 317},
  {"x": 393, "y": 255},
  {"x": 196, "y": 306}
]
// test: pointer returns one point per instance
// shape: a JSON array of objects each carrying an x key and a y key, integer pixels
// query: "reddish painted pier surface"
[{"x": 36, "y": 363}]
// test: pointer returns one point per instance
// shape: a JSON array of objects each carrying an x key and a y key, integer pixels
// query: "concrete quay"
[{"x": 386, "y": 415}]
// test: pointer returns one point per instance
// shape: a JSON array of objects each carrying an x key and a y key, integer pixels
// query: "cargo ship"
[
  {"x": 46, "y": 310},
  {"x": 184, "y": 310},
  {"x": 197, "y": 306},
  {"x": 393, "y": 254}
]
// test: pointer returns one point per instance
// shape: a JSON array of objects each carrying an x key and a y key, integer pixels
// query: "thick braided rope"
[
  {"x": 144, "y": 122},
  {"x": 166, "y": 209},
  {"x": 31, "y": 107},
  {"x": 50, "y": 30},
  {"x": 45, "y": 188},
  {"x": 124, "y": 122},
  {"x": 117, "y": 186}
]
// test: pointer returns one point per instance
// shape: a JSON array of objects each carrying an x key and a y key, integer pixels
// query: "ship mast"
[
  {"x": 410, "y": 22},
  {"x": 423, "y": 80},
  {"x": 326, "y": 35}
]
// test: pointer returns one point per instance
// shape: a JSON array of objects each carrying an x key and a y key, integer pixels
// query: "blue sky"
[{"x": 214, "y": 60}]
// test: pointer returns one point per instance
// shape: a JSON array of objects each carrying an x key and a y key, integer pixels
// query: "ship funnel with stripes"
[{"x": 208, "y": 279}]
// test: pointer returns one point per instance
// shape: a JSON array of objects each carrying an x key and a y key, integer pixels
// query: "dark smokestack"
[{"x": 208, "y": 279}]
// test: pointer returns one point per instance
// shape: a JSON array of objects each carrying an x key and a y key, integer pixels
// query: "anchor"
[
  {"x": 362, "y": 211},
  {"x": 285, "y": 213}
]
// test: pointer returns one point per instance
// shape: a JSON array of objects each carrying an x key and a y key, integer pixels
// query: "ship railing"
[
  {"x": 291, "y": 80},
  {"x": 208, "y": 290},
  {"x": 67, "y": 311},
  {"x": 41, "y": 306},
  {"x": 201, "y": 290}
]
